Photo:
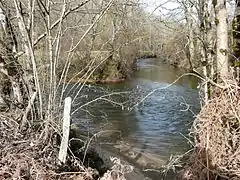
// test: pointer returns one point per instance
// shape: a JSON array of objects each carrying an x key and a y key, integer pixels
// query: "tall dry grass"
[{"x": 216, "y": 131}]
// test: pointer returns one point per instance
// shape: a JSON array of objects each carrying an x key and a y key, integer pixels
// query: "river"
[{"x": 156, "y": 125}]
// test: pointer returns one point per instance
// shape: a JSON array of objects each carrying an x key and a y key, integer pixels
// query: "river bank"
[
  {"x": 145, "y": 165},
  {"x": 24, "y": 155},
  {"x": 118, "y": 76}
]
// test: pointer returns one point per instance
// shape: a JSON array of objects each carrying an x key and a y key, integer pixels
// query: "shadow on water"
[{"x": 152, "y": 127}]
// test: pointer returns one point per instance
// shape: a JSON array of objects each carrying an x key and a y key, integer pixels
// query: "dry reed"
[{"x": 217, "y": 136}]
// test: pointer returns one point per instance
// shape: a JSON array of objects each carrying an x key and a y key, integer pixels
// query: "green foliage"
[{"x": 236, "y": 64}]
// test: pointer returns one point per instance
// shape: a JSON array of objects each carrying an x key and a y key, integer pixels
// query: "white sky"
[
  {"x": 167, "y": 9},
  {"x": 166, "y": 5}
]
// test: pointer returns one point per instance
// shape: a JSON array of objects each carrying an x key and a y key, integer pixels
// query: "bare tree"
[
  {"x": 222, "y": 37},
  {"x": 11, "y": 71}
]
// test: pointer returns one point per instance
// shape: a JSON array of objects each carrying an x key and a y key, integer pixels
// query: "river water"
[{"x": 156, "y": 125}]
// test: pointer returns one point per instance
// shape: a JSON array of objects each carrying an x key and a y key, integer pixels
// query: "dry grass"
[
  {"x": 24, "y": 156},
  {"x": 217, "y": 136}
]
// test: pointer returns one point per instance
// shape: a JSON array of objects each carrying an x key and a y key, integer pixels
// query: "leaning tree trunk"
[
  {"x": 10, "y": 69},
  {"x": 222, "y": 38}
]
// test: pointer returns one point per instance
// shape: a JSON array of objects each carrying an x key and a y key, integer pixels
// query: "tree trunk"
[
  {"x": 10, "y": 70},
  {"x": 206, "y": 43},
  {"x": 222, "y": 38},
  {"x": 29, "y": 51},
  {"x": 190, "y": 45}
]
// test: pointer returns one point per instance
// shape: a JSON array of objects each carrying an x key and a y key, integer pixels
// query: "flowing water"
[{"x": 156, "y": 125}]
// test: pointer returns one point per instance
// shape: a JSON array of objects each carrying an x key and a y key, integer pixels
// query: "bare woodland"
[{"x": 46, "y": 44}]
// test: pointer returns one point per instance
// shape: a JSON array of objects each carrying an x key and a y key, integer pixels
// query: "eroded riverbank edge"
[
  {"x": 134, "y": 67},
  {"x": 145, "y": 165}
]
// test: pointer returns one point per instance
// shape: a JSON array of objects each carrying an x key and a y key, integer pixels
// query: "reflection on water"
[{"x": 154, "y": 125}]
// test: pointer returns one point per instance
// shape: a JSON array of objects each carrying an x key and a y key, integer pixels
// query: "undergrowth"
[
  {"x": 23, "y": 155},
  {"x": 217, "y": 136}
]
